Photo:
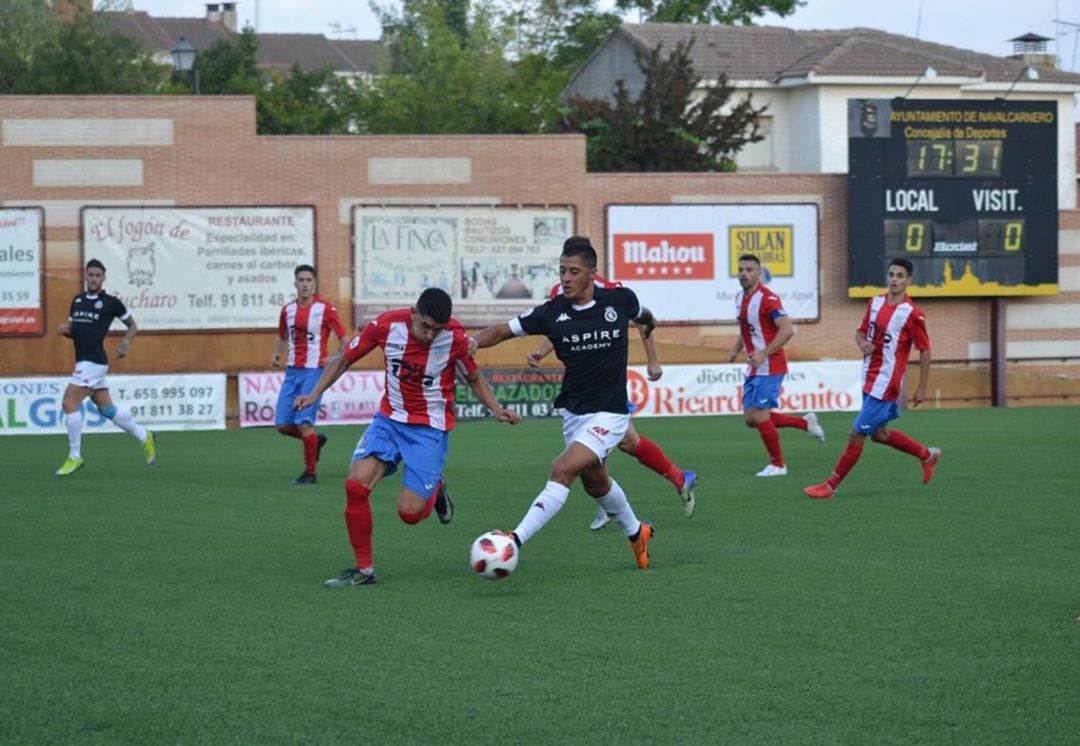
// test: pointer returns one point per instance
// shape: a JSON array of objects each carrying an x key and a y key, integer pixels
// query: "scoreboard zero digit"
[{"x": 967, "y": 190}]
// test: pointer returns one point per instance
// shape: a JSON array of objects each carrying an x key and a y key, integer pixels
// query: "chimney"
[
  {"x": 1031, "y": 50},
  {"x": 213, "y": 13},
  {"x": 228, "y": 17}
]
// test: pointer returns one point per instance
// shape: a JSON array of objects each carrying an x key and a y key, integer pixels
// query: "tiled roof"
[
  {"x": 772, "y": 53},
  {"x": 278, "y": 51},
  {"x": 312, "y": 51},
  {"x": 163, "y": 33}
]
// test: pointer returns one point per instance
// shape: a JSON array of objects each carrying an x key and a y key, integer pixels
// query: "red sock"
[
  {"x": 291, "y": 430},
  {"x": 424, "y": 512},
  {"x": 786, "y": 420},
  {"x": 847, "y": 460},
  {"x": 311, "y": 452},
  {"x": 771, "y": 438},
  {"x": 652, "y": 456},
  {"x": 901, "y": 442},
  {"x": 358, "y": 521}
]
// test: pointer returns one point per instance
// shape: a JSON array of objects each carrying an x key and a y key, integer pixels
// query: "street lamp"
[{"x": 183, "y": 55}]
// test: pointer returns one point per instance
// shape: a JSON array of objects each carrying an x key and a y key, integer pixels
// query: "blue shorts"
[
  {"x": 874, "y": 414},
  {"x": 762, "y": 392},
  {"x": 298, "y": 381},
  {"x": 422, "y": 448}
]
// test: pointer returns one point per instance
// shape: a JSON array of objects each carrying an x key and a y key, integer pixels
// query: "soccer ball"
[{"x": 494, "y": 555}]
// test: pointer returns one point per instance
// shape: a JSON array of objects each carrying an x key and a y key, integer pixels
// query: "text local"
[{"x": 922, "y": 200}]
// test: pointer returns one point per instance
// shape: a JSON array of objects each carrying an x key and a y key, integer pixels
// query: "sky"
[{"x": 979, "y": 25}]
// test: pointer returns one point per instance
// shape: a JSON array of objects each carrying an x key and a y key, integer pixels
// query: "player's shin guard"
[
  {"x": 311, "y": 452},
  {"x": 652, "y": 456},
  {"x": 74, "y": 431},
  {"x": 787, "y": 420},
  {"x": 358, "y": 521},
  {"x": 124, "y": 421},
  {"x": 543, "y": 509},
  {"x": 771, "y": 439},
  {"x": 618, "y": 507},
  {"x": 847, "y": 461},
  {"x": 902, "y": 442}
]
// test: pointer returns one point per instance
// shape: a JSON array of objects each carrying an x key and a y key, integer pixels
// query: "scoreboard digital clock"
[{"x": 967, "y": 190}]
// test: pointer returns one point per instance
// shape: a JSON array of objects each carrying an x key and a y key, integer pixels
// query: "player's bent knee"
[
  {"x": 109, "y": 411},
  {"x": 409, "y": 517}
]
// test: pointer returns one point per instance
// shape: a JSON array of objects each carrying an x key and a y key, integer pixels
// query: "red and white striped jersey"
[
  {"x": 757, "y": 314},
  {"x": 419, "y": 378},
  {"x": 599, "y": 281},
  {"x": 307, "y": 328},
  {"x": 892, "y": 329}
]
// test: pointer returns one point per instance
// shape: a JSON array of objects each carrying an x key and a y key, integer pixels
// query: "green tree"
[
  {"x": 40, "y": 54},
  {"x": 549, "y": 41},
  {"x": 726, "y": 12},
  {"x": 304, "y": 103},
  {"x": 670, "y": 126},
  {"x": 438, "y": 81},
  {"x": 230, "y": 66}
]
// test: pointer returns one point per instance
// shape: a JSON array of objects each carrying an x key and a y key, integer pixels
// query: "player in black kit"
[
  {"x": 92, "y": 312},
  {"x": 588, "y": 327}
]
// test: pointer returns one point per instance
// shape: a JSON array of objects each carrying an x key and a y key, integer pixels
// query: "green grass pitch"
[{"x": 184, "y": 602}]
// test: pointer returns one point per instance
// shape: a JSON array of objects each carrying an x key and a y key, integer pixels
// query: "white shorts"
[
  {"x": 600, "y": 432},
  {"x": 90, "y": 375}
]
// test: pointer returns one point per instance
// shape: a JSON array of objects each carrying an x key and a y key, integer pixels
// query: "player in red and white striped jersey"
[
  {"x": 764, "y": 329},
  {"x": 424, "y": 350},
  {"x": 647, "y": 452},
  {"x": 891, "y": 325},
  {"x": 304, "y": 331}
]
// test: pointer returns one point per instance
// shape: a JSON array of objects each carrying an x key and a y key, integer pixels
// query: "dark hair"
[
  {"x": 750, "y": 258},
  {"x": 435, "y": 303},
  {"x": 902, "y": 262},
  {"x": 580, "y": 246},
  {"x": 304, "y": 268},
  {"x": 95, "y": 264}
]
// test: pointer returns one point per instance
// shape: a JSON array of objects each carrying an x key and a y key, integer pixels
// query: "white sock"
[
  {"x": 544, "y": 507},
  {"x": 618, "y": 507},
  {"x": 123, "y": 420},
  {"x": 74, "y": 428}
]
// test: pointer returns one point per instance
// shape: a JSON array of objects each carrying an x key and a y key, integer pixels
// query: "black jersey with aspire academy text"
[
  {"x": 591, "y": 341},
  {"x": 91, "y": 316}
]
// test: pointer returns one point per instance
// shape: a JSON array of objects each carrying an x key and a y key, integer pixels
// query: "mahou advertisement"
[
  {"x": 200, "y": 267},
  {"x": 682, "y": 260}
]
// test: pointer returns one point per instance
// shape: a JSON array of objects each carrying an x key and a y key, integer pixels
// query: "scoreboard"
[{"x": 967, "y": 190}]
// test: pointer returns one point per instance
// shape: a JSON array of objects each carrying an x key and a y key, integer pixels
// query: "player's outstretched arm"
[
  {"x": 484, "y": 393},
  {"x": 125, "y": 343},
  {"x": 490, "y": 337},
  {"x": 333, "y": 371}
]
